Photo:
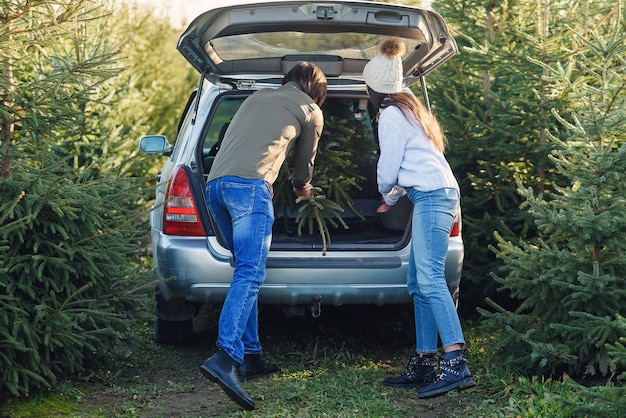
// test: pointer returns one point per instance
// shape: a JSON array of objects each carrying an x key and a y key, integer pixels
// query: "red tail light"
[
  {"x": 180, "y": 213},
  {"x": 456, "y": 228}
]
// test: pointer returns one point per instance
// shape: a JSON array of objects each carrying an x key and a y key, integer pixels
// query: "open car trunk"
[
  {"x": 250, "y": 45},
  {"x": 370, "y": 230},
  {"x": 345, "y": 171}
]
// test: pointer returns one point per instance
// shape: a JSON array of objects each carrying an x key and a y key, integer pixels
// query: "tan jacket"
[{"x": 267, "y": 125}]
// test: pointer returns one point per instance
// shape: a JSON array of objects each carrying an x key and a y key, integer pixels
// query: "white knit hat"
[{"x": 384, "y": 72}]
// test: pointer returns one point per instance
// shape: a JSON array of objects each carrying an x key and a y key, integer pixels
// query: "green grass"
[
  {"x": 62, "y": 401},
  {"x": 332, "y": 366}
]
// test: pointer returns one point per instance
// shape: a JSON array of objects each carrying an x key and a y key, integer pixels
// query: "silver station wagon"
[{"x": 236, "y": 51}]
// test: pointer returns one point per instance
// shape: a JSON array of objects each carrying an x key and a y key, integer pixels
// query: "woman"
[
  {"x": 239, "y": 195},
  {"x": 411, "y": 159}
]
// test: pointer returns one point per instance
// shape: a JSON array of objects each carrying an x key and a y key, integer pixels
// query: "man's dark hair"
[{"x": 311, "y": 80}]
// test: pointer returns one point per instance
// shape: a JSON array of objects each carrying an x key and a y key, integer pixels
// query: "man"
[{"x": 239, "y": 195}]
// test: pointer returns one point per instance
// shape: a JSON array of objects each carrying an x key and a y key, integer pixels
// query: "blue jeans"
[
  {"x": 435, "y": 313},
  {"x": 244, "y": 214}
]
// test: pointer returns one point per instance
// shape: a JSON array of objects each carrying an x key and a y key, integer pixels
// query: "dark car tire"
[
  {"x": 174, "y": 321},
  {"x": 173, "y": 332}
]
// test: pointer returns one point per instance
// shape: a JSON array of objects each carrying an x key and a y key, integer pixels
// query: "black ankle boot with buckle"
[
  {"x": 419, "y": 372},
  {"x": 453, "y": 374}
]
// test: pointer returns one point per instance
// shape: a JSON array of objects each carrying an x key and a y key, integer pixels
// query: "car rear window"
[{"x": 278, "y": 44}]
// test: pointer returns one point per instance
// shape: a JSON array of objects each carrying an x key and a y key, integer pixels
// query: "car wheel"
[
  {"x": 173, "y": 332},
  {"x": 174, "y": 321}
]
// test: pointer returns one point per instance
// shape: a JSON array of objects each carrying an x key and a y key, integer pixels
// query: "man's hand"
[{"x": 302, "y": 192}]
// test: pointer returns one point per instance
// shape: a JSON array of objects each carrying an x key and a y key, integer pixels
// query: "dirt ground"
[{"x": 168, "y": 383}]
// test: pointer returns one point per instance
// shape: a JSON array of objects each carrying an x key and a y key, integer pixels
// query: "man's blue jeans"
[
  {"x": 435, "y": 313},
  {"x": 244, "y": 214}
]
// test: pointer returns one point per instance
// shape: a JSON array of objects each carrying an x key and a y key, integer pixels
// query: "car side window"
[
  {"x": 223, "y": 114},
  {"x": 225, "y": 109}
]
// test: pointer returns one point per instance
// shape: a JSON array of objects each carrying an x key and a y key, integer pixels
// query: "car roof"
[{"x": 267, "y": 39}]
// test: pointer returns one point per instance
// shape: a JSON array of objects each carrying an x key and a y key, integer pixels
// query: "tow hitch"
[{"x": 316, "y": 308}]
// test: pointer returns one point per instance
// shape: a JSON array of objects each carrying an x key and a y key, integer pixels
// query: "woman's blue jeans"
[
  {"x": 435, "y": 313},
  {"x": 244, "y": 214}
]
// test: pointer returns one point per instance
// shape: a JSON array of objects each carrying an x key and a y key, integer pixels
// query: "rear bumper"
[{"x": 198, "y": 270}]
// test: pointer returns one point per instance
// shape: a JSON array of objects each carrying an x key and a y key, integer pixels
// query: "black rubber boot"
[
  {"x": 253, "y": 366},
  {"x": 453, "y": 374},
  {"x": 419, "y": 372},
  {"x": 223, "y": 370}
]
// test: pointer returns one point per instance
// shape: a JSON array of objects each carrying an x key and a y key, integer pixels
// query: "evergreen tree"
[
  {"x": 151, "y": 92},
  {"x": 494, "y": 105},
  {"x": 69, "y": 248},
  {"x": 569, "y": 280}
]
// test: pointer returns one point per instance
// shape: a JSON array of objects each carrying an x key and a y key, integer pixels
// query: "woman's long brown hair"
[{"x": 413, "y": 109}]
